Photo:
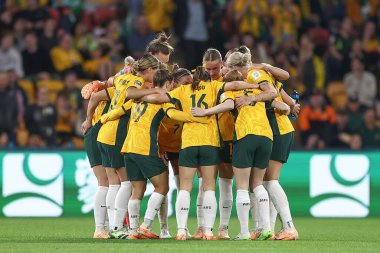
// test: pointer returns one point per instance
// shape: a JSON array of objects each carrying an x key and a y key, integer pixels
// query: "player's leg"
[
  {"x": 209, "y": 200},
  {"x": 134, "y": 205},
  {"x": 100, "y": 207},
  {"x": 161, "y": 188},
  {"x": 114, "y": 186},
  {"x": 200, "y": 215},
  {"x": 122, "y": 198},
  {"x": 261, "y": 197},
  {"x": 188, "y": 163},
  {"x": 225, "y": 198}
]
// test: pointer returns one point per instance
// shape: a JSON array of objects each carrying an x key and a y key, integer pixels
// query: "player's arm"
[
  {"x": 278, "y": 73},
  {"x": 239, "y": 85},
  {"x": 135, "y": 93},
  {"x": 227, "y": 105},
  {"x": 116, "y": 113},
  {"x": 178, "y": 115},
  {"x": 269, "y": 93},
  {"x": 294, "y": 108},
  {"x": 95, "y": 99},
  {"x": 282, "y": 107}
]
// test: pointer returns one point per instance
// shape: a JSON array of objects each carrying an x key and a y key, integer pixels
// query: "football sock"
[
  {"x": 163, "y": 213},
  {"x": 134, "y": 213},
  {"x": 121, "y": 204},
  {"x": 262, "y": 201},
  {"x": 100, "y": 208},
  {"x": 209, "y": 210},
  {"x": 154, "y": 204},
  {"x": 200, "y": 215},
  {"x": 272, "y": 209},
  {"x": 254, "y": 211},
  {"x": 281, "y": 204},
  {"x": 242, "y": 208},
  {"x": 110, "y": 202},
  {"x": 182, "y": 209},
  {"x": 225, "y": 201}
]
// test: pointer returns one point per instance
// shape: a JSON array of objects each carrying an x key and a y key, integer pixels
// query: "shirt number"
[{"x": 200, "y": 101}]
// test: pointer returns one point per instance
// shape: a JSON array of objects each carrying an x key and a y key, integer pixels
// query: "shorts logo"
[
  {"x": 339, "y": 186},
  {"x": 87, "y": 184},
  {"x": 32, "y": 185}
]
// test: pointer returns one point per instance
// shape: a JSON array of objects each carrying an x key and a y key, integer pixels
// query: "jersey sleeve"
[
  {"x": 217, "y": 85},
  {"x": 175, "y": 94},
  {"x": 110, "y": 92},
  {"x": 258, "y": 76},
  {"x": 167, "y": 106},
  {"x": 227, "y": 95}
]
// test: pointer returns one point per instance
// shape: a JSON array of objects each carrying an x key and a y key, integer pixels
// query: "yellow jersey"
[
  {"x": 115, "y": 131},
  {"x": 280, "y": 123},
  {"x": 103, "y": 106},
  {"x": 251, "y": 119},
  {"x": 169, "y": 134},
  {"x": 143, "y": 128},
  {"x": 206, "y": 96},
  {"x": 226, "y": 121}
]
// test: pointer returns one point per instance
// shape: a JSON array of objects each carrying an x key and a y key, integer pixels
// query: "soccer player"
[
  {"x": 142, "y": 157},
  {"x": 212, "y": 61},
  {"x": 112, "y": 135},
  {"x": 200, "y": 143},
  {"x": 251, "y": 151},
  {"x": 169, "y": 142},
  {"x": 93, "y": 154}
]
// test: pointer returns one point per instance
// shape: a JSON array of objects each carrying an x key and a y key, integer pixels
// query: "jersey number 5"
[{"x": 200, "y": 101}]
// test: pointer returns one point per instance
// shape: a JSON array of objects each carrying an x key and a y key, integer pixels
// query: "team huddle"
[{"x": 226, "y": 118}]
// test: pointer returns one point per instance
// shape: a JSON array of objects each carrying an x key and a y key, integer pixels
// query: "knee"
[{"x": 162, "y": 189}]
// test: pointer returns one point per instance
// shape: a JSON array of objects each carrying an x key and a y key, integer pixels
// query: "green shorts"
[
  {"x": 91, "y": 145},
  {"x": 111, "y": 156},
  {"x": 225, "y": 153},
  {"x": 281, "y": 147},
  {"x": 251, "y": 151},
  {"x": 172, "y": 156},
  {"x": 140, "y": 167},
  {"x": 196, "y": 156}
]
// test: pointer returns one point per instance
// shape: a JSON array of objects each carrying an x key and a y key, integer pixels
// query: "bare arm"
[
  {"x": 281, "y": 106},
  {"x": 278, "y": 73},
  {"x": 239, "y": 85},
  {"x": 184, "y": 117},
  {"x": 134, "y": 93},
  {"x": 92, "y": 104},
  {"x": 227, "y": 105},
  {"x": 156, "y": 98},
  {"x": 269, "y": 93}
]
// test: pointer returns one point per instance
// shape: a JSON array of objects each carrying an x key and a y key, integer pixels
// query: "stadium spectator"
[
  {"x": 10, "y": 58},
  {"x": 97, "y": 66},
  {"x": 361, "y": 84},
  {"x": 40, "y": 120},
  {"x": 71, "y": 90},
  {"x": 343, "y": 137},
  {"x": 66, "y": 118},
  {"x": 140, "y": 38},
  {"x": 370, "y": 133},
  {"x": 317, "y": 122},
  {"x": 34, "y": 15},
  {"x": 65, "y": 57},
  {"x": 355, "y": 118},
  {"x": 35, "y": 59},
  {"x": 9, "y": 107},
  {"x": 159, "y": 14},
  {"x": 48, "y": 38},
  {"x": 371, "y": 45}
]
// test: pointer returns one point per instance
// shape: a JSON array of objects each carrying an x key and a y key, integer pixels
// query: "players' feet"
[
  {"x": 126, "y": 221},
  {"x": 209, "y": 236},
  {"x": 119, "y": 234},
  {"x": 265, "y": 235},
  {"x": 101, "y": 235},
  {"x": 287, "y": 235},
  {"x": 223, "y": 233},
  {"x": 147, "y": 233},
  {"x": 198, "y": 234},
  {"x": 165, "y": 234},
  {"x": 255, "y": 234},
  {"x": 188, "y": 235},
  {"x": 181, "y": 235},
  {"x": 134, "y": 235},
  {"x": 242, "y": 237}
]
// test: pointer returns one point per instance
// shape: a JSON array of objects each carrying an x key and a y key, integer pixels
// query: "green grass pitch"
[{"x": 74, "y": 235}]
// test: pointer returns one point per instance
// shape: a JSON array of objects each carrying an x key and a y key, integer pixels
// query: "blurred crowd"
[{"x": 50, "y": 49}]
